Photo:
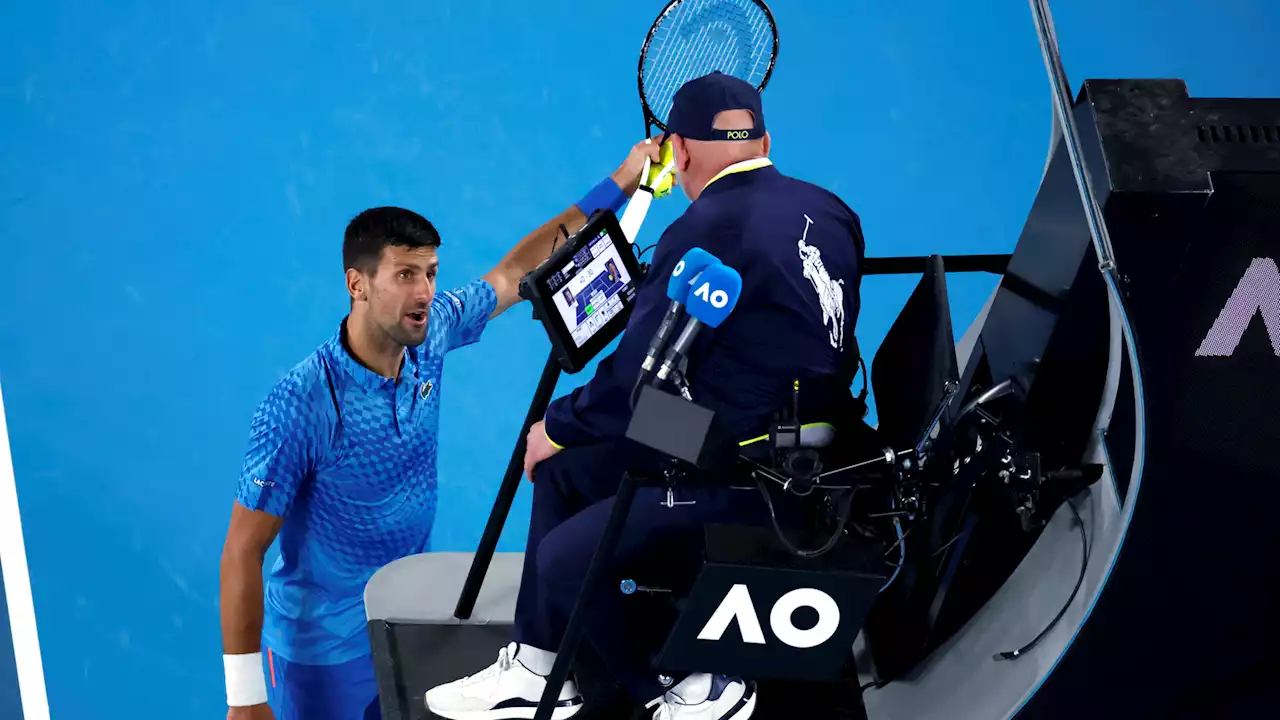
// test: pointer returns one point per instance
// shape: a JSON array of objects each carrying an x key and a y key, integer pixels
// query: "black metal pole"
[
  {"x": 590, "y": 585},
  {"x": 507, "y": 492}
]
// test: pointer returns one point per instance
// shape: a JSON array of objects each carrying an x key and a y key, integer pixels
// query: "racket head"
[{"x": 692, "y": 38}]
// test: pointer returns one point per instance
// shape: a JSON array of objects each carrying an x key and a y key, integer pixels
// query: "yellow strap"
[{"x": 744, "y": 166}]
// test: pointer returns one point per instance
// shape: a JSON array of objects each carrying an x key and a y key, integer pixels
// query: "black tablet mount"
[{"x": 557, "y": 362}]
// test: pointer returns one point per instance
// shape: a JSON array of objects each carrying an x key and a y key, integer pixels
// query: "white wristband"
[{"x": 246, "y": 682}]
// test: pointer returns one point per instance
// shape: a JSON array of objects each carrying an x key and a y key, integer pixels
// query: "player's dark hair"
[{"x": 373, "y": 230}]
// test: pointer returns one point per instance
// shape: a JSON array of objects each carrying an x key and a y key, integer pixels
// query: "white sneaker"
[
  {"x": 707, "y": 697},
  {"x": 506, "y": 690}
]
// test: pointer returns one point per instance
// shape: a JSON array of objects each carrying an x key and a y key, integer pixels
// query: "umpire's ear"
[{"x": 681, "y": 151}]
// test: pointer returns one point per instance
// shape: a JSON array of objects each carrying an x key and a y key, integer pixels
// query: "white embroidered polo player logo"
[{"x": 830, "y": 292}]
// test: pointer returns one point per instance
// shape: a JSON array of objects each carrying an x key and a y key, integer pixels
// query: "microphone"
[
  {"x": 713, "y": 296},
  {"x": 689, "y": 266}
]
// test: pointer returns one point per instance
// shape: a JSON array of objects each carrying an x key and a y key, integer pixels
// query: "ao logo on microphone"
[
  {"x": 737, "y": 605},
  {"x": 715, "y": 294},
  {"x": 717, "y": 298}
]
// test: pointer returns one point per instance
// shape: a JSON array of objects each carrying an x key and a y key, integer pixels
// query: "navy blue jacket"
[{"x": 799, "y": 250}]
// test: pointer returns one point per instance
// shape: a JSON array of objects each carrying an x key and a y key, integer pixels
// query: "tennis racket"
[{"x": 692, "y": 38}]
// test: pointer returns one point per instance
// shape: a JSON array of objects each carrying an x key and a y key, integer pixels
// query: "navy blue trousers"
[{"x": 659, "y": 546}]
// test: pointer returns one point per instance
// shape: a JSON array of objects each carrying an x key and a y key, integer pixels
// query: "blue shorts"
[{"x": 348, "y": 691}]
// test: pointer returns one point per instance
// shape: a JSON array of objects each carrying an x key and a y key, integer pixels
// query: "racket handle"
[{"x": 633, "y": 217}]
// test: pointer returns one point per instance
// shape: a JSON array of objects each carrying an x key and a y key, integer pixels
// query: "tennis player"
[
  {"x": 341, "y": 463},
  {"x": 798, "y": 249}
]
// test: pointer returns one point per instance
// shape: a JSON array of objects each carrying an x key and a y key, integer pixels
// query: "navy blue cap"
[{"x": 697, "y": 102}]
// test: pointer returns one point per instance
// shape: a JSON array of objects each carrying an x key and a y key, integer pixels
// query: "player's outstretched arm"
[
  {"x": 525, "y": 257},
  {"x": 536, "y": 247},
  {"x": 250, "y": 534}
]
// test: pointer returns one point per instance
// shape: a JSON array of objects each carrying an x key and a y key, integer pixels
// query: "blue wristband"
[{"x": 606, "y": 194}]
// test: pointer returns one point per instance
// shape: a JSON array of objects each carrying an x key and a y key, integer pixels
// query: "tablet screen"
[
  {"x": 591, "y": 288},
  {"x": 585, "y": 291}
]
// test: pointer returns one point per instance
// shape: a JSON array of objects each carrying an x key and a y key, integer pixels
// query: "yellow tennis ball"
[{"x": 666, "y": 155}]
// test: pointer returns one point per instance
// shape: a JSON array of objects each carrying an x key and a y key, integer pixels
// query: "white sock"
[
  {"x": 537, "y": 660},
  {"x": 693, "y": 689}
]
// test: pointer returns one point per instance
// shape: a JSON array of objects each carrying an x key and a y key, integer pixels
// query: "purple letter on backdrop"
[{"x": 1258, "y": 291}]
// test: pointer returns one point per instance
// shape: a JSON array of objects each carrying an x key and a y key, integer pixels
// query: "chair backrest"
[{"x": 915, "y": 361}]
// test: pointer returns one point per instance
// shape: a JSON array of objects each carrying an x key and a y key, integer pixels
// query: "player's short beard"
[{"x": 405, "y": 336}]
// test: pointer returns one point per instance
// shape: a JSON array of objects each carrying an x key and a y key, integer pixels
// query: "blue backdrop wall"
[{"x": 175, "y": 178}]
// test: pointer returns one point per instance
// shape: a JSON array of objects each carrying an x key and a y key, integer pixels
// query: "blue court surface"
[{"x": 175, "y": 178}]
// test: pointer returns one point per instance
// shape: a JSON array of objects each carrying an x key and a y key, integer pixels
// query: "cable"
[
  {"x": 555, "y": 239},
  {"x": 902, "y": 554},
  {"x": 682, "y": 384},
  {"x": 902, "y": 559},
  {"x": 1084, "y": 565},
  {"x": 635, "y": 391},
  {"x": 873, "y": 684},
  {"x": 831, "y": 543},
  {"x": 862, "y": 397},
  {"x": 677, "y": 378}
]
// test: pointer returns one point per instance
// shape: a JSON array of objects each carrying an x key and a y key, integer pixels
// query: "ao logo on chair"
[{"x": 737, "y": 605}]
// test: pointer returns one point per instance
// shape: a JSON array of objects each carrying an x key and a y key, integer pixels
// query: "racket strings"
[
  {"x": 706, "y": 58},
  {"x": 716, "y": 46},
  {"x": 674, "y": 64},
  {"x": 700, "y": 36}
]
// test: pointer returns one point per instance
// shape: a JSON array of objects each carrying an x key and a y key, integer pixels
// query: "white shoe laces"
[
  {"x": 665, "y": 711},
  {"x": 502, "y": 665}
]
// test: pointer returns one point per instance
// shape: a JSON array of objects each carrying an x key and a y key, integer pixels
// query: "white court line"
[{"x": 17, "y": 589}]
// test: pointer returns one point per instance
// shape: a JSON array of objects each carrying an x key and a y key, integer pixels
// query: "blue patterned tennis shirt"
[{"x": 348, "y": 459}]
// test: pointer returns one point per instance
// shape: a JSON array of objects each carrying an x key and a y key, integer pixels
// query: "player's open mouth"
[{"x": 417, "y": 318}]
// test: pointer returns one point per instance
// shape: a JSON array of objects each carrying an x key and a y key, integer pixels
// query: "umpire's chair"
[
  {"x": 856, "y": 487},
  {"x": 860, "y": 489}
]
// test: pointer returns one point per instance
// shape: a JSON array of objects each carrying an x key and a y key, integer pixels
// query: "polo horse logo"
[{"x": 830, "y": 292}]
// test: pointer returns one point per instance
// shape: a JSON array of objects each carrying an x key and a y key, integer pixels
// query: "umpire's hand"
[{"x": 537, "y": 448}]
